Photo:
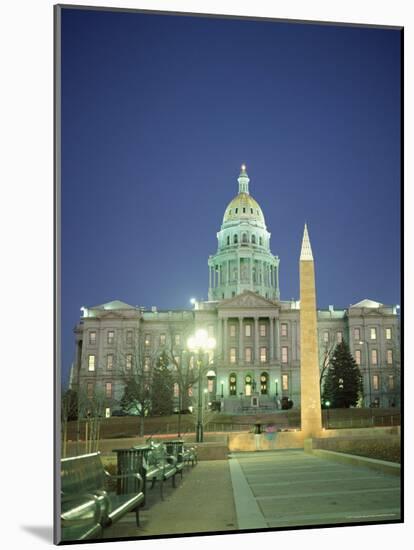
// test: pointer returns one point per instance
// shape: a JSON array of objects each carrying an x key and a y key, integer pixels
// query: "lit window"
[
  {"x": 357, "y": 334},
  {"x": 147, "y": 340},
  {"x": 285, "y": 382},
  {"x": 109, "y": 361},
  {"x": 375, "y": 382},
  {"x": 326, "y": 336},
  {"x": 339, "y": 337},
  {"x": 264, "y": 378},
  {"x": 284, "y": 354},
  {"x": 177, "y": 339},
  {"x": 107, "y": 412},
  {"x": 283, "y": 329},
  {"x": 248, "y": 329},
  {"x": 391, "y": 384},
  {"x": 262, "y": 329},
  {"x": 129, "y": 337},
  {"x": 358, "y": 356},
  {"x": 110, "y": 337},
  {"x": 389, "y": 356},
  {"x": 176, "y": 390},
  {"x": 388, "y": 333},
  {"x": 190, "y": 391},
  {"x": 248, "y": 355},
  {"x": 129, "y": 361},
  {"x": 232, "y": 355},
  {"x": 232, "y": 331},
  {"x": 374, "y": 357},
  {"x": 233, "y": 384},
  {"x": 91, "y": 362},
  {"x": 210, "y": 384},
  {"x": 89, "y": 389},
  {"x": 373, "y": 333},
  {"x": 147, "y": 364},
  {"x": 92, "y": 337},
  {"x": 263, "y": 355},
  {"x": 108, "y": 389},
  {"x": 162, "y": 339}
]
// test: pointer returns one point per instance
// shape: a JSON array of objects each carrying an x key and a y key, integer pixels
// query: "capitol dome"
[{"x": 243, "y": 207}]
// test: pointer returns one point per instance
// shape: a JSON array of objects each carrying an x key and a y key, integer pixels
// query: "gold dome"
[{"x": 243, "y": 207}]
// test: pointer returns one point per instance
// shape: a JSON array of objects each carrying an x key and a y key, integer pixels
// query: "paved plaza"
[{"x": 266, "y": 489}]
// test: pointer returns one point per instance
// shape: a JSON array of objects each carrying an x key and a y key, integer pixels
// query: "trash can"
[
  {"x": 131, "y": 461},
  {"x": 175, "y": 447}
]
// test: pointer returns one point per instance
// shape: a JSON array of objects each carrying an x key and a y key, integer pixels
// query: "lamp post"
[
  {"x": 200, "y": 343},
  {"x": 327, "y": 405},
  {"x": 222, "y": 389},
  {"x": 277, "y": 394},
  {"x": 369, "y": 371}
]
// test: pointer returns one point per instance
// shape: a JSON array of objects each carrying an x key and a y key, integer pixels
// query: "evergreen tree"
[
  {"x": 343, "y": 381},
  {"x": 162, "y": 387}
]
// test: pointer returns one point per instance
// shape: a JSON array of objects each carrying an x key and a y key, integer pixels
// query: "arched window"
[
  {"x": 253, "y": 239},
  {"x": 228, "y": 239},
  {"x": 260, "y": 241},
  {"x": 233, "y": 384},
  {"x": 254, "y": 274},
  {"x": 264, "y": 383},
  {"x": 244, "y": 238},
  {"x": 235, "y": 239},
  {"x": 248, "y": 385}
]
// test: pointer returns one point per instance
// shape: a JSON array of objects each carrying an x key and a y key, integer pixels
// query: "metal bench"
[
  {"x": 80, "y": 517},
  {"x": 116, "y": 495},
  {"x": 157, "y": 465}
]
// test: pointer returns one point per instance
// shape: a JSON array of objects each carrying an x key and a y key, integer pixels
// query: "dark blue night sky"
[{"x": 159, "y": 112}]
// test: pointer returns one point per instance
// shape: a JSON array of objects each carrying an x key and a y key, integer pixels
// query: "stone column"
[
  {"x": 241, "y": 354},
  {"x": 256, "y": 340},
  {"x": 277, "y": 341},
  {"x": 272, "y": 334},
  {"x": 311, "y": 419},
  {"x": 219, "y": 338},
  {"x": 225, "y": 356}
]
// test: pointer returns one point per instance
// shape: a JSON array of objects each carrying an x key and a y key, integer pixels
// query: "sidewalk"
[{"x": 202, "y": 502}]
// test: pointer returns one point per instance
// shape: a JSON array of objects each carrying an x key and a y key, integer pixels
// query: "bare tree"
[
  {"x": 68, "y": 411},
  {"x": 325, "y": 355}
]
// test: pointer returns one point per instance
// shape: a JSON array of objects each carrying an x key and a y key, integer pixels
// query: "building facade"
[{"x": 256, "y": 362}]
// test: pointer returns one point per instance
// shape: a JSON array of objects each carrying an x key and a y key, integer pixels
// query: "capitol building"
[{"x": 256, "y": 361}]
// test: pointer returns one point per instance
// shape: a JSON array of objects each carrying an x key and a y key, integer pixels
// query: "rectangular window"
[
  {"x": 177, "y": 339},
  {"x": 92, "y": 337},
  {"x": 326, "y": 337},
  {"x": 248, "y": 330},
  {"x": 263, "y": 355},
  {"x": 91, "y": 362},
  {"x": 375, "y": 382},
  {"x": 129, "y": 361},
  {"x": 89, "y": 389},
  {"x": 373, "y": 333},
  {"x": 389, "y": 356},
  {"x": 357, "y": 334},
  {"x": 176, "y": 390},
  {"x": 391, "y": 384},
  {"x": 162, "y": 339},
  {"x": 147, "y": 340},
  {"x": 285, "y": 382},
  {"x": 210, "y": 385},
  {"x": 262, "y": 329},
  {"x": 129, "y": 337},
  {"x": 284, "y": 354},
  {"x": 232, "y": 331},
  {"x": 232, "y": 355},
  {"x": 190, "y": 391},
  {"x": 147, "y": 364},
  {"x": 358, "y": 356},
  {"x": 374, "y": 357},
  {"x": 110, "y": 337},
  {"x": 339, "y": 337},
  {"x": 108, "y": 389},
  {"x": 283, "y": 329},
  {"x": 107, "y": 412},
  {"x": 248, "y": 355},
  {"x": 388, "y": 333},
  {"x": 109, "y": 361}
]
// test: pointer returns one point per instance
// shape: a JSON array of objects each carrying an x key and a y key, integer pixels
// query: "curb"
[{"x": 383, "y": 466}]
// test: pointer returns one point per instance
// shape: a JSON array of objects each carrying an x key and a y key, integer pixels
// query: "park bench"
[
  {"x": 80, "y": 517},
  {"x": 116, "y": 494},
  {"x": 157, "y": 465}
]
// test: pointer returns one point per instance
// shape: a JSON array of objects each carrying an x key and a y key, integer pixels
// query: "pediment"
[{"x": 247, "y": 299}]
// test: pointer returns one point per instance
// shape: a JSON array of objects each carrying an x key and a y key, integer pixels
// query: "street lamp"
[
  {"x": 369, "y": 371},
  {"x": 327, "y": 405},
  {"x": 200, "y": 343},
  {"x": 276, "y": 394},
  {"x": 222, "y": 389}
]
